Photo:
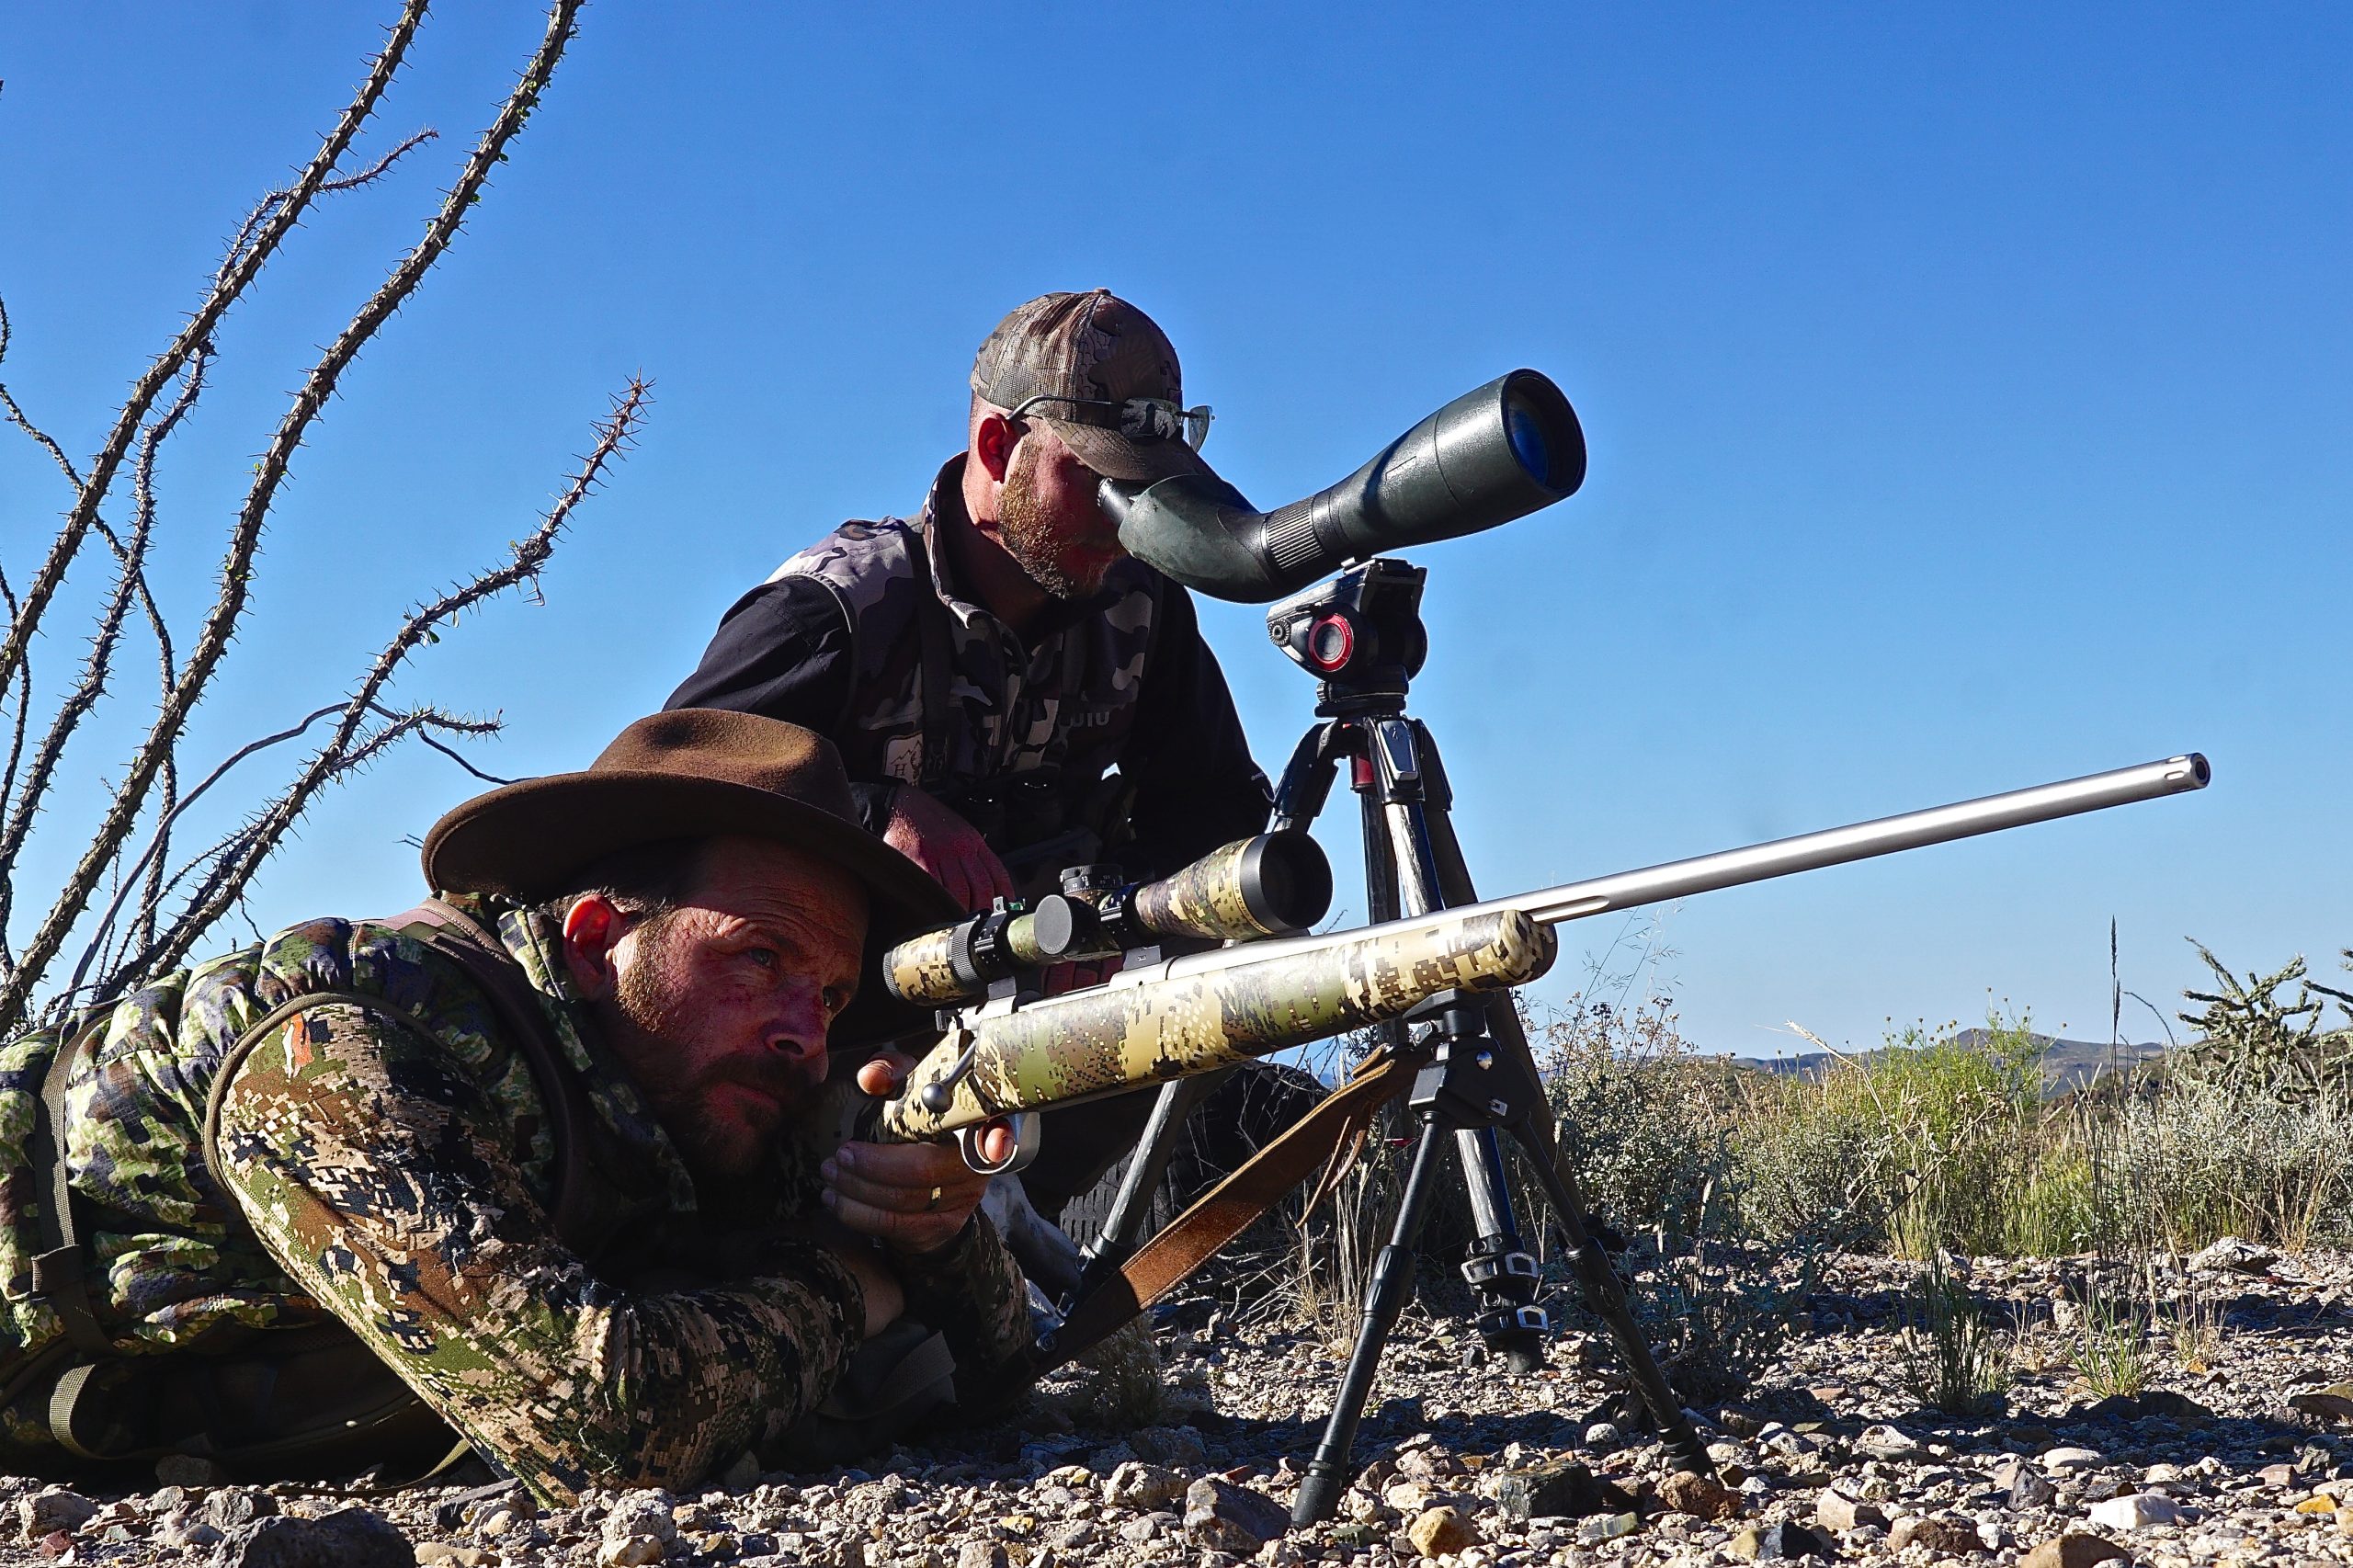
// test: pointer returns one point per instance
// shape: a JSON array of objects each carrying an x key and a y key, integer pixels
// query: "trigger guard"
[{"x": 1025, "y": 1127}]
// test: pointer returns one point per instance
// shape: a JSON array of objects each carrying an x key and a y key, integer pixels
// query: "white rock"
[
  {"x": 2233, "y": 1255},
  {"x": 2064, "y": 1460},
  {"x": 1885, "y": 1442},
  {"x": 648, "y": 1511},
  {"x": 2136, "y": 1510},
  {"x": 633, "y": 1551}
]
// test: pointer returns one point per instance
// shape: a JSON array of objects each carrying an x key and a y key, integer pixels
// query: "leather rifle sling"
[{"x": 1224, "y": 1211}]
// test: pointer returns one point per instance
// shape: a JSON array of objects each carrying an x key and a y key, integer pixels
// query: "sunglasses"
[{"x": 1139, "y": 418}]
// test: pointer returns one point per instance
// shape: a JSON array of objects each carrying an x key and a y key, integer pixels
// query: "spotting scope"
[{"x": 1489, "y": 456}]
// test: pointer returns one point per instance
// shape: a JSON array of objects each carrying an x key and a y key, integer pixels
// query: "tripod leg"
[
  {"x": 1607, "y": 1297},
  {"x": 1454, "y": 884},
  {"x": 1329, "y": 1471},
  {"x": 1501, "y": 1269},
  {"x": 1307, "y": 778}
]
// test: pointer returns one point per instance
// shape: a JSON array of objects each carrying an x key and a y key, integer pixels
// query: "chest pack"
[
  {"x": 288, "y": 1402},
  {"x": 1019, "y": 741}
]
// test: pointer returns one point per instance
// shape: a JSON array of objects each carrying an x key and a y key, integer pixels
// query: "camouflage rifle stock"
[{"x": 1205, "y": 1011}]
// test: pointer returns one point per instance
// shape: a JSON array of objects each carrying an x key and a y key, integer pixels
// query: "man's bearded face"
[
  {"x": 1050, "y": 520},
  {"x": 722, "y": 1004}
]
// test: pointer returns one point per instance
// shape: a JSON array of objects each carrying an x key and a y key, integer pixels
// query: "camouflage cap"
[{"x": 1094, "y": 348}]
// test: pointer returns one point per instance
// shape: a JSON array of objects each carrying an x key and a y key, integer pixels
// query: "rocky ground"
[{"x": 2227, "y": 1455}]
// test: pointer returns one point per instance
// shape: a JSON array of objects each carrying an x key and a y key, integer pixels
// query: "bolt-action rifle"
[{"x": 1007, "y": 1051}]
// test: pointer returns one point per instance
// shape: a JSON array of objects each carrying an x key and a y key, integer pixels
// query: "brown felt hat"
[{"x": 691, "y": 773}]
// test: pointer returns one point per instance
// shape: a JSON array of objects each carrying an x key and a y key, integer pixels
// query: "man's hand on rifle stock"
[
  {"x": 915, "y": 1196},
  {"x": 947, "y": 846}
]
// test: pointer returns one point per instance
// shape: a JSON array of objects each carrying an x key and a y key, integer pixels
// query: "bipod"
[{"x": 1470, "y": 1086}]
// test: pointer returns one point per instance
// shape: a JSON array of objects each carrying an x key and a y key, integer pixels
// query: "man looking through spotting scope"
[{"x": 1011, "y": 691}]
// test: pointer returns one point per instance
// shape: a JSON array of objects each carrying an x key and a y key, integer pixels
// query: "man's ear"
[
  {"x": 593, "y": 927},
  {"x": 994, "y": 438}
]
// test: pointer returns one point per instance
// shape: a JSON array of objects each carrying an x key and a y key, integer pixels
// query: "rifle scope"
[
  {"x": 1269, "y": 886},
  {"x": 1489, "y": 456}
]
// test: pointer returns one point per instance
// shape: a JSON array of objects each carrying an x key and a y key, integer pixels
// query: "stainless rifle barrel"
[
  {"x": 1760, "y": 863},
  {"x": 1834, "y": 846}
]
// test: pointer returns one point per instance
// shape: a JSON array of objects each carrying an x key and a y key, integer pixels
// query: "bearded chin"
[{"x": 1021, "y": 524}]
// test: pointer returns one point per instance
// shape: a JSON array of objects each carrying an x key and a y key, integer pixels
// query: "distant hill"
[{"x": 2066, "y": 1063}]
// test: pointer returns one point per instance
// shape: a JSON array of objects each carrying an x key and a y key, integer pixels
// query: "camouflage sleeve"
[
  {"x": 974, "y": 1292},
  {"x": 371, "y": 1165}
]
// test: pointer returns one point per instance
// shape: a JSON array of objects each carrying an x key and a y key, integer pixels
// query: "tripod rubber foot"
[
  {"x": 1319, "y": 1496},
  {"x": 1522, "y": 1353}
]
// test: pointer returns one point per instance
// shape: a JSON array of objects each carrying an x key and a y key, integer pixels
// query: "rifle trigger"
[{"x": 1024, "y": 1125}]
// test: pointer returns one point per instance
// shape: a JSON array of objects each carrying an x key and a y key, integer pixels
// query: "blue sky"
[{"x": 1967, "y": 391}]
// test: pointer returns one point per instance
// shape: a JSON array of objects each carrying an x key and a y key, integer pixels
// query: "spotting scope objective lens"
[{"x": 1526, "y": 434}]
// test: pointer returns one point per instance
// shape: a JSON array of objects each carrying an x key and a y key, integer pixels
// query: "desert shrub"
[
  {"x": 1640, "y": 1117},
  {"x": 1952, "y": 1356},
  {"x": 1648, "y": 1127},
  {"x": 2200, "y": 1158},
  {"x": 2109, "y": 1345},
  {"x": 1808, "y": 1165},
  {"x": 1935, "y": 1140},
  {"x": 1717, "y": 1309}
]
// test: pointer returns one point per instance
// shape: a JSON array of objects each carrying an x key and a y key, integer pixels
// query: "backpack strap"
[
  {"x": 576, "y": 1213},
  {"x": 58, "y": 1276}
]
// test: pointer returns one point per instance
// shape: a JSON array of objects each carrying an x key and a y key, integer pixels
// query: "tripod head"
[{"x": 1360, "y": 633}]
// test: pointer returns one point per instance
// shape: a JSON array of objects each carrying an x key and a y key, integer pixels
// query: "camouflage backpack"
[{"x": 310, "y": 1399}]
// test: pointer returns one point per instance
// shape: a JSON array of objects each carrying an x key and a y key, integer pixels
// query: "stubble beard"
[{"x": 1028, "y": 534}]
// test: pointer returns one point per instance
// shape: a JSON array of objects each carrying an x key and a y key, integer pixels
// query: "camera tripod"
[{"x": 1361, "y": 634}]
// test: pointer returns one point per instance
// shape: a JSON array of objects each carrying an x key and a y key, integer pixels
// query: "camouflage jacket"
[
  {"x": 867, "y": 638},
  {"x": 385, "y": 1161}
]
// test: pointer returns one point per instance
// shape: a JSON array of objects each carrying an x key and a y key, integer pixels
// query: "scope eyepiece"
[{"x": 1492, "y": 455}]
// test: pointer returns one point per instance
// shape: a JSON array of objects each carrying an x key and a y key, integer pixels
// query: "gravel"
[{"x": 2235, "y": 1463}]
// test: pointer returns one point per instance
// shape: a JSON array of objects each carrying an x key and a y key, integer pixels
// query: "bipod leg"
[
  {"x": 1329, "y": 1472},
  {"x": 1405, "y": 777},
  {"x": 1607, "y": 1298},
  {"x": 1122, "y": 1229}
]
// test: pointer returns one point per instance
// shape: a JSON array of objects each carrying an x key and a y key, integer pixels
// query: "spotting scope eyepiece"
[{"x": 1489, "y": 456}]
